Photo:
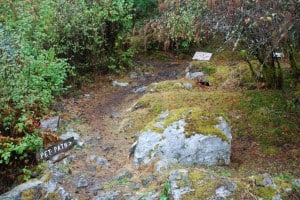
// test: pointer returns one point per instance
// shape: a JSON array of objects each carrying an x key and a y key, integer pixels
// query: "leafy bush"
[
  {"x": 90, "y": 33},
  {"x": 30, "y": 76},
  {"x": 177, "y": 27},
  {"x": 29, "y": 81},
  {"x": 10, "y": 151}
]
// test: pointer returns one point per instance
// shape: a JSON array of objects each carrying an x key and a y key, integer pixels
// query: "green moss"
[
  {"x": 28, "y": 194},
  {"x": 205, "y": 66},
  {"x": 169, "y": 85},
  {"x": 203, "y": 123},
  {"x": 266, "y": 193},
  {"x": 270, "y": 150},
  {"x": 203, "y": 185},
  {"x": 53, "y": 195},
  {"x": 197, "y": 122}
]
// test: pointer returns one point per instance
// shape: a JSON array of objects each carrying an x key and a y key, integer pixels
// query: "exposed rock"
[
  {"x": 80, "y": 181},
  {"x": 56, "y": 176},
  {"x": 95, "y": 189},
  {"x": 114, "y": 115},
  {"x": 69, "y": 134},
  {"x": 267, "y": 181},
  {"x": 179, "y": 183},
  {"x": 147, "y": 143},
  {"x": 149, "y": 179},
  {"x": 107, "y": 147},
  {"x": 92, "y": 157},
  {"x": 163, "y": 165},
  {"x": 86, "y": 95},
  {"x": 296, "y": 182},
  {"x": 134, "y": 75},
  {"x": 29, "y": 190},
  {"x": 130, "y": 196},
  {"x": 194, "y": 75},
  {"x": 225, "y": 191},
  {"x": 119, "y": 84},
  {"x": 91, "y": 168},
  {"x": 123, "y": 174},
  {"x": 140, "y": 90},
  {"x": 50, "y": 124},
  {"x": 200, "y": 149},
  {"x": 72, "y": 133},
  {"x": 132, "y": 149},
  {"x": 188, "y": 86},
  {"x": 64, "y": 195},
  {"x": 133, "y": 186},
  {"x": 111, "y": 195},
  {"x": 102, "y": 162},
  {"x": 151, "y": 196}
]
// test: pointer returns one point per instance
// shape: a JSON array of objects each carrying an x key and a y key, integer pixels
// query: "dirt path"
[{"x": 99, "y": 113}]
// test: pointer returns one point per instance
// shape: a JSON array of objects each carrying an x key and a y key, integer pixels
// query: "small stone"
[
  {"x": 80, "y": 144},
  {"x": 107, "y": 147},
  {"x": 69, "y": 159},
  {"x": 134, "y": 75},
  {"x": 267, "y": 180},
  {"x": 80, "y": 181},
  {"x": 70, "y": 134},
  {"x": 102, "y": 162},
  {"x": 92, "y": 157},
  {"x": 133, "y": 186},
  {"x": 288, "y": 191},
  {"x": 114, "y": 115},
  {"x": 194, "y": 75},
  {"x": 188, "y": 86},
  {"x": 91, "y": 168},
  {"x": 95, "y": 189},
  {"x": 149, "y": 179},
  {"x": 176, "y": 189},
  {"x": 296, "y": 182},
  {"x": 50, "y": 124},
  {"x": 123, "y": 174},
  {"x": 111, "y": 195},
  {"x": 139, "y": 90},
  {"x": 119, "y": 84}
]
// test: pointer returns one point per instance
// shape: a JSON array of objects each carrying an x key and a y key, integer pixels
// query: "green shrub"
[
  {"x": 176, "y": 27},
  {"x": 29, "y": 81},
  {"x": 91, "y": 34},
  {"x": 10, "y": 151}
]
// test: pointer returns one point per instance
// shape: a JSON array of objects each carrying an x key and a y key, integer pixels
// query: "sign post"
[
  {"x": 55, "y": 149},
  {"x": 205, "y": 56}
]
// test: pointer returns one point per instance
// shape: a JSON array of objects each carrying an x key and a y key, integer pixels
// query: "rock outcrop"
[{"x": 173, "y": 143}]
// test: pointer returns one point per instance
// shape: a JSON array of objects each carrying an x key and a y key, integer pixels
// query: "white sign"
[
  {"x": 202, "y": 55},
  {"x": 278, "y": 55}
]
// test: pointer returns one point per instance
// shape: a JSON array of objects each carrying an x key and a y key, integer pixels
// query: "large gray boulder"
[
  {"x": 29, "y": 190},
  {"x": 173, "y": 144}
]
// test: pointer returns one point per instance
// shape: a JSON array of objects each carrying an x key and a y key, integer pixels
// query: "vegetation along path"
[{"x": 101, "y": 114}]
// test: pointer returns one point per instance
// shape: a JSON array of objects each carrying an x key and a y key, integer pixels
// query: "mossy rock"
[
  {"x": 203, "y": 185},
  {"x": 197, "y": 122}
]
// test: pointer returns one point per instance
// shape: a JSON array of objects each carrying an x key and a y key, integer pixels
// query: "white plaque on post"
[{"x": 202, "y": 56}]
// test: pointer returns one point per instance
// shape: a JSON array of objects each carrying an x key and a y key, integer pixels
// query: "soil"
[{"x": 99, "y": 112}]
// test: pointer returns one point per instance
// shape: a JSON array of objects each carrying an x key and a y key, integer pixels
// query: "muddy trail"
[{"x": 97, "y": 115}]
